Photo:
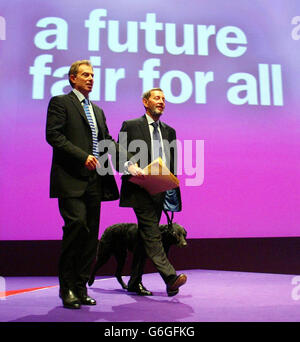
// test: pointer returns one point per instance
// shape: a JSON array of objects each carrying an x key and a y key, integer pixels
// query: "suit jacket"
[
  {"x": 137, "y": 129},
  {"x": 69, "y": 133}
]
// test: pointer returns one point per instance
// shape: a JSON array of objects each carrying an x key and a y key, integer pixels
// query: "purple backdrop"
[{"x": 230, "y": 71}]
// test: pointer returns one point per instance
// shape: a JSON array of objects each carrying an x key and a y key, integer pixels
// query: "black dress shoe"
[
  {"x": 173, "y": 287},
  {"x": 140, "y": 290},
  {"x": 69, "y": 299},
  {"x": 87, "y": 300}
]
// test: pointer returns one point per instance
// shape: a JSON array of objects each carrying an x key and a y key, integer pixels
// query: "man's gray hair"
[{"x": 147, "y": 93}]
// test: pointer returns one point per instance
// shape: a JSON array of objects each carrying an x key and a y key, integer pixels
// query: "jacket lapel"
[
  {"x": 100, "y": 121},
  {"x": 147, "y": 138},
  {"x": 146, "y": 134},
  {"x": 164, "y": 131},
  {"x": 165, "y": 137},
  {"x": 97, "y": 114},
  {"x": 78, "y": 106},
  {"x": 145, "y": 129}
]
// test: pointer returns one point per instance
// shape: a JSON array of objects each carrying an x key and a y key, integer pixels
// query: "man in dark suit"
[
  {"x": 148, "y": 208},
  {"x": 74, "y": 128}
]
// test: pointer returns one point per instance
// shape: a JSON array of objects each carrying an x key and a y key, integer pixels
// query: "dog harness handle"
[{"x": 170, "y": 220}]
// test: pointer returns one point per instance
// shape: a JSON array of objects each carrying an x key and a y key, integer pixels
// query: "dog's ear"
[{"x": 180, "y": 228}]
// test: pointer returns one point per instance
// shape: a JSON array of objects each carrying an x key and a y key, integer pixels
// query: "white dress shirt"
[
  {"x": 151, "y": 129},
  {"x": 81, "y": 98}
]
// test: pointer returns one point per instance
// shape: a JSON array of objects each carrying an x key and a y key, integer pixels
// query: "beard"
[{"x": 155, "y": 112}]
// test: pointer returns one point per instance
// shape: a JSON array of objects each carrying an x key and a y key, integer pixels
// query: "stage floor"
[{"x": 208, "y": 296}]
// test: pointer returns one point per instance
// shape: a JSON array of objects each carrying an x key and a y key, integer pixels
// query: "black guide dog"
[{"x": 120, "y": 238}]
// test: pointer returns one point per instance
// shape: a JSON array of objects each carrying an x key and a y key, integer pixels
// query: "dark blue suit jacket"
[{"x": 69, "y": 133}]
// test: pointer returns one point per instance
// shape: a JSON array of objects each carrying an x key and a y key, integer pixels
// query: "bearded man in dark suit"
[
  {"x": 74, "y": 127},
  {"x": 148, "y": 208}
]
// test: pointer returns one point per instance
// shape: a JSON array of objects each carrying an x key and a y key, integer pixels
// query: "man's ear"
[
  {"x": 72, "y": 78},
  {"x": 145, "y": 102}
]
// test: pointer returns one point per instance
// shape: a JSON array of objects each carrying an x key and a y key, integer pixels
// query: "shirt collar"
[
  {"x": 79, "y": 95},
  {"x": 150, "y": 120}
]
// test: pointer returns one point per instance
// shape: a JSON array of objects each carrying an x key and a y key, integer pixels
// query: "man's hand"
[
  {"x": 134, "y": 170},
  {"x": 91, "y": 162}
]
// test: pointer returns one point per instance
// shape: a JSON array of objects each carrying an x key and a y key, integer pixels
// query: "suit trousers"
[
  {"x": 81, "y": 217},
  {"x": 150, "y": 243}
]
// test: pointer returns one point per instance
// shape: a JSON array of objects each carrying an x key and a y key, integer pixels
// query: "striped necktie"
[
  {"x": 93, "y": 129},
  {"x": 157, "y": 145}
]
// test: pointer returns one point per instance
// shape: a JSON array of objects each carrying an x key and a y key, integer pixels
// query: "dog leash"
[{"x": 170, "y": 220}]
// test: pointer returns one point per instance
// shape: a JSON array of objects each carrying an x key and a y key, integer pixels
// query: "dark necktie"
[
  {"x": 93, "y": 129},
  {"x": 157, "y": 143}
]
